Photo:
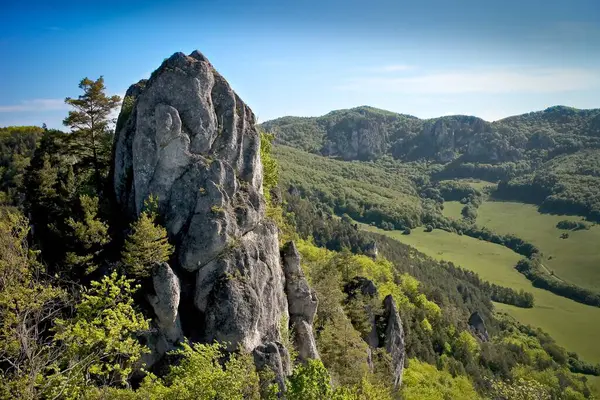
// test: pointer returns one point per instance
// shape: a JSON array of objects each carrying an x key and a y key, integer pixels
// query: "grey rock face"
[
  {"x": 372, "y": 250},
  {"x": 302, "y": 303},
  {"x": 394, "y": 338},
  {"x": 304, "y": 340},
  {"x": 166, "y": 302},
  {"x": 241, "y": 293},
  {"x": 477, "y": 326},
  {"x": 274, "y": 355},
  {"x": 449, "y": 136},
  {"x": 191, "y": 141},
  {"x": 362, "y": 139},
  {"x": 167, "y": 331},
  {"x": 386, "y": 329}
]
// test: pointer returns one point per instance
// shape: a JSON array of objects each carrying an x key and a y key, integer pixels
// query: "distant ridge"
[{"x": 366, "y": 133}]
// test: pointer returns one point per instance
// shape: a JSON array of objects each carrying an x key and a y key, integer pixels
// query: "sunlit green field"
[
  {"x": 452, "y": 209},
  {"x": 575, "y": 260},
  {"x": 574, "y": 326},
  {"x": 594, "y": 382}
]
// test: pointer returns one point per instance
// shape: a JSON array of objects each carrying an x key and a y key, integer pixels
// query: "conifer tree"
[
  {"x": 87, "y": 236},
  {"x": 147, "y": 243},
  {"x": 90, "y": 124}
]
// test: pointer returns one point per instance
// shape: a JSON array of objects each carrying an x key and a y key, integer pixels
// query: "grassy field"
[
  {"x": 575, "y": 260},
  {"x": 594, "y": 382},
  {"x": 452, "y": 209},
  {"x": 574, "y": 326}
]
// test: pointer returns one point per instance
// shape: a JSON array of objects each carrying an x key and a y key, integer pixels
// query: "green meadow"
[
  {"x": 575, "y": 259},
  {"x": 452, "y": 209},
  {"x": 574, "y": 326},
  {"x": 594, "y": 382}
]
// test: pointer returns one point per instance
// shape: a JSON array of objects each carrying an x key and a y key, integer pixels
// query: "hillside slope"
[{"x": 365, "y": 133}]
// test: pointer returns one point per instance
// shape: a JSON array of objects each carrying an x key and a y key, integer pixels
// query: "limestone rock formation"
[
  {"x": 302, "y": 303},
  {"x": 187, "y": 138},
  {"x": 394, "y": 338},
  {"x": 386, "y": 329},
  {"x": 357, "y": 138},
  {"x": 165, "y": 302},
  {"x": 371, "y": 250},
  {"x": 273, "y": 355},
  {"x": 477, "y": 326}
]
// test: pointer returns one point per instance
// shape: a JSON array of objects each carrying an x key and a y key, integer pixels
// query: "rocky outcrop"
[
  {"x": 165, "y": 302},
  {"x": 189, "y": 140},
  {"x": 371, "y": 250},
  {"x": 394, "y": 338},
  {"x": 386, "y": 328},
  {"x": 167, "y": 332},
  {"x": 477, "y": 326},
  {"x": 273, "y": 355},
  {"x": 302, "y": 303},
  {"x": 356, "y": 138},
  {"x": 448, "y": 137}
]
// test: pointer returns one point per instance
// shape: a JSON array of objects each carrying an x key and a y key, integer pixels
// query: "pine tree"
[
  {"x": 87, "y": 236},
  {"x": 90, "y": 122},
  {"x": 147, "y": 244}
]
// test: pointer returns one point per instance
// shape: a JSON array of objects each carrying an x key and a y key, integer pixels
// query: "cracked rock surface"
[{"x": 191, "y": 141}]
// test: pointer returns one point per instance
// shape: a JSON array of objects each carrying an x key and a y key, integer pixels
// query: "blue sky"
[{"x": 426, "y": 58}]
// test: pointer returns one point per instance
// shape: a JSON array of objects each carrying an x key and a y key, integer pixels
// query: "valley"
[
  {"x": 440, "y": 186},
  {"x": 572, "y": 324},
  {"x": 574, "y": 259}
]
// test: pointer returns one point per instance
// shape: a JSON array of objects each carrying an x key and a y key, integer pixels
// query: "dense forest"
[{"x": 549, "y": 158}]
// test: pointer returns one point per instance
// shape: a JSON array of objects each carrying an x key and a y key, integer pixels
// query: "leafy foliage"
[
  {"x": 27, "y": 306},
  {"x": 425, "y": 381},
  {"x": 567, "y": 184},
  {"x": 199, "y": 375},
  {"x": 100, "y": 341},
  {"x": 364, "y": 192},
  {"x": 269, "y": 164},
  {"x": 17, "y": 145}
]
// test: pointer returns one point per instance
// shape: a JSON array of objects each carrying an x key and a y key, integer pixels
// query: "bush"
[{"x": 572, "y": 225}]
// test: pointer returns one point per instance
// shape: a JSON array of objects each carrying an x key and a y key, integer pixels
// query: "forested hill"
[
  {"x": 550, "y": 158},
  {"x": 366, "y": 133}
]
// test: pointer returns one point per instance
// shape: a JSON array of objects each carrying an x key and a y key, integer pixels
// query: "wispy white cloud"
[
  {"x": 509, "y": 80},
  {"x": 36, "y": 105},
  {"x": 393, "y": 68},
  {"x": 274, "y": 63}
]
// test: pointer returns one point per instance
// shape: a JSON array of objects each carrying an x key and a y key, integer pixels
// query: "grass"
[
  {"x": 594, "y": 382},
  {"x": 452, "y": 209},
  {"x": 575, "y": 260},
  {"x": 573, "y": 325}
]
